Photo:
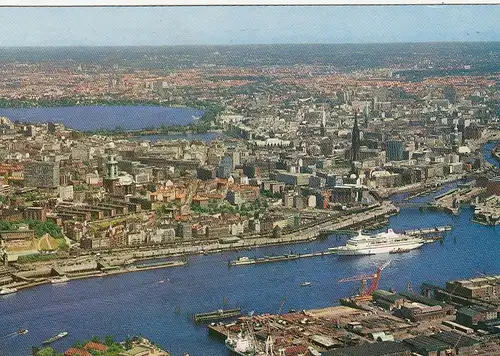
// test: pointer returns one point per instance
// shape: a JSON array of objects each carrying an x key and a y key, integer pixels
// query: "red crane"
[{"x": 366, "y": 293}]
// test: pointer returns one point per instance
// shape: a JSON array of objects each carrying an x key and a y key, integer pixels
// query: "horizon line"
[{"x": 251, "y": 44}]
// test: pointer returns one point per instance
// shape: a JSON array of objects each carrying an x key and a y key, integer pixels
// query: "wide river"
[
  {"x": 137, "y": 303},
  {"x": 91, "y": 118}
]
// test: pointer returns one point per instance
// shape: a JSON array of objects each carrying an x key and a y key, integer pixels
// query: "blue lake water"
[
  {"x": 137, "y": 303},
  {"x": 89, "y": 118}
]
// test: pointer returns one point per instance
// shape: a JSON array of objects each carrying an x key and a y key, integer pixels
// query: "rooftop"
[
  {"x": 427, "y": 343},
  {"x": 454, "y": 338},
  {"x": 376, "y": 349}
]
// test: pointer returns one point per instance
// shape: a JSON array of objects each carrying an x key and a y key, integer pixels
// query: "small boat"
[
  {"x": 62, "y": 279},
  {"x": 22, "y": 331},
  {"x": 55, "y": 338},
  {"x": 305, "y": 284},
  {"x": 164, "y": 280},
  {"x": 6, "y": 290}
]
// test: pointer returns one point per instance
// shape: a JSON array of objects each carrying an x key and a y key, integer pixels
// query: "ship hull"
[
  {"x": 377, "y": 250},
  {"x": 226, "y": 314}
]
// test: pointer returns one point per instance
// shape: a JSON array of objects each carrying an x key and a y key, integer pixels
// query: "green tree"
[
  {"x": 108, "y": 340},
  {"x": 46, "y": 351},
  {"x": 78, "y": 344},
  {"x": 128, "y": 343}
]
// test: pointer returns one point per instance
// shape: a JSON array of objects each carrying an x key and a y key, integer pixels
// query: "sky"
[{"x": 216, "y": 25}]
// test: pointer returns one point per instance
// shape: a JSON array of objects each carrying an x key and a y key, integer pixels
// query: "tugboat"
[{"x": 6, "y": 290}]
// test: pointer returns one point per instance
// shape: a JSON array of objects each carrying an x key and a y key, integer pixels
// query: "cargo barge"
[{"x": 219, "y": 314}]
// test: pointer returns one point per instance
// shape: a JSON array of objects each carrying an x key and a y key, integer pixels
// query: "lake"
[{"x": 91, "y": 118}]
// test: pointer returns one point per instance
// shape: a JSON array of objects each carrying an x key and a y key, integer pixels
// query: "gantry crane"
[{"x": 365, "y": 293}]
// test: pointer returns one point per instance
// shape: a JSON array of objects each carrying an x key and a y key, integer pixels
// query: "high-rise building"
[
  {"x": 323, "y": 124},
  {"x": 51, "y": 127},
  {"x": 225, "y": 167},
  {"x": 41, "y": 174},
  {"x": 395, "y": 150},
  {"x": 355, "y": 140},
  {"x": 366, "y": 113},
  {"x": 455, "y": 140},
  {"x": 236, "y": 158}
]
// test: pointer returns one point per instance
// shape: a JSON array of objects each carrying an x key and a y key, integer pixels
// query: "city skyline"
[{"x": 216, "y": 25}]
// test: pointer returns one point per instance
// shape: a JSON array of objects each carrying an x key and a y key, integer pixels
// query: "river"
[
  {"x": 91, "y": 118},
  {"x": 137, "y": 303}
]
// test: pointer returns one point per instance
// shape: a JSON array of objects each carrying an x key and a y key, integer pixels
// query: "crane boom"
[
  {"x": 374, "y": 278},
  {"x": 358, "y": 278}
]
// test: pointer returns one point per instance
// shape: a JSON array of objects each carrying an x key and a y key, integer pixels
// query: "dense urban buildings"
[{"x": 287, "y": 149}]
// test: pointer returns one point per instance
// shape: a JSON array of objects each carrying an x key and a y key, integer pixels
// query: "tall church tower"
[
  {"x": 355, "y": 140},
  {"x": 112, "y": 167},
  {"x": 111, "y": 179}
]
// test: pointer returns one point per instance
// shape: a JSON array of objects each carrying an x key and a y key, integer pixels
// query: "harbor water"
[{"x": 160, "y": 304}]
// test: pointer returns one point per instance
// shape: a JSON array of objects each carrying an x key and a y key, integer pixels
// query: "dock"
[
  {"x": 242, "y": 261},
  {"x": 412, "y": 232},
  {"x": 450, "y": 201},
  {"x": 428, "y": 231}
]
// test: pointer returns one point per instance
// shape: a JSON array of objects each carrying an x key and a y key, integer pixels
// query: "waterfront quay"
[
  {"x": 32, "y": 276},
  {"x": 104, "y": 263}
]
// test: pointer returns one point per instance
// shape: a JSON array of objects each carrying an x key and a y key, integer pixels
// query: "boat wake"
[{"x": 9, "y": 336}]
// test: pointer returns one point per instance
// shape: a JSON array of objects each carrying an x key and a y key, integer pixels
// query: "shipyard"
[{"x": 459, "y": 319}]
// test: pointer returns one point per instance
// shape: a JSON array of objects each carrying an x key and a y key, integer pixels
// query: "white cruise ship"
[{"x": 384, "y": 242}]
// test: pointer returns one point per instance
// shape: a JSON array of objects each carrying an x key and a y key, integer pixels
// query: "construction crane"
[
  {"x": 283, "y": 301},
  {"x": 365, "y": 293}
]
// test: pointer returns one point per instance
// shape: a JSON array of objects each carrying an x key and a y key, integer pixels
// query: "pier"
[
  {"x": 413, "y": 232},
  {"x": 428, "y": 231},
  {"x": 242, "y": 261}
]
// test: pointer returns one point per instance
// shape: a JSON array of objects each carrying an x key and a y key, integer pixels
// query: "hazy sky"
[{"x": 246, "y": 25}]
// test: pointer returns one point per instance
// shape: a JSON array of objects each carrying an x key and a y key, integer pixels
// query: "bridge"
[{"x": 410, "y": 204}]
